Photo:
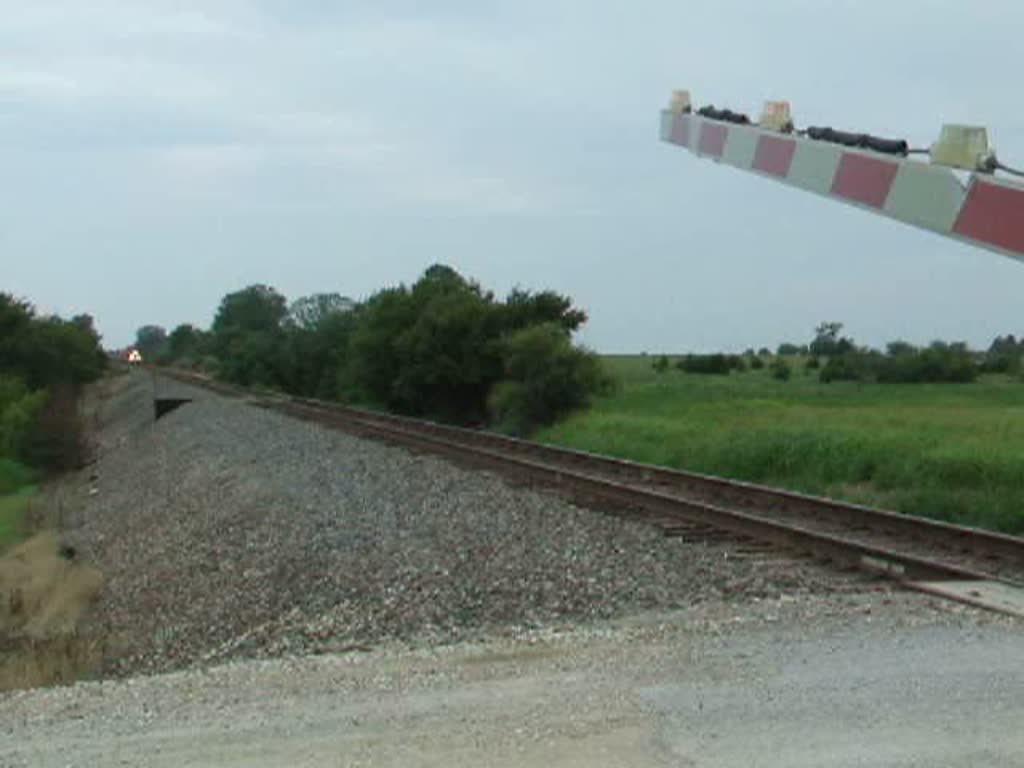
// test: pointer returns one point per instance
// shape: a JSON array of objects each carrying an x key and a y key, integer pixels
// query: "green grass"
[
  {"x": 950, "y": 451},
  {"x": 12, "y": 510},
  {"x": 16, "y": 489},
  {"x": 14, "y": 476}
]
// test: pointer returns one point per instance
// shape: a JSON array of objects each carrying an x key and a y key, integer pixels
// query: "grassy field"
[{"x": 949, "y": 451}]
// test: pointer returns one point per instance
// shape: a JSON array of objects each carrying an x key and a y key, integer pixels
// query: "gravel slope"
[{"x": 224, "y": 530}]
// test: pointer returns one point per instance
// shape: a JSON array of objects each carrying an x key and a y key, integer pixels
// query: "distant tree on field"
[
  {"x": 717, "y": 363},
  {"x": 1004, "y": 355},
  {"x": 660, "y": 364},
  {"x": 898, "y": 348},
  {"x": 827, "y": 341},
  {"x": 780, "y": 369}
]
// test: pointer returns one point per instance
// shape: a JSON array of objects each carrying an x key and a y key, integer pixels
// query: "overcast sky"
[{"x": 157, "y": 155}]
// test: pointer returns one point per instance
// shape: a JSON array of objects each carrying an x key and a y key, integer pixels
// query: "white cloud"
[
  {"x": 36, "y": 84},
  {"x": 308, "y": 122},
  {"x": 223, "y": 97}
]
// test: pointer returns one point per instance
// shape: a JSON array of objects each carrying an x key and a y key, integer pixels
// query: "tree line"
[
  {"x": 442, "y": 348},
  {"x": 44, "y": 362},
  {"x": 835, "y": 357}
]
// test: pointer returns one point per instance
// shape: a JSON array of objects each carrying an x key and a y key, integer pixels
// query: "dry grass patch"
[{"x": 43, "y": 595}]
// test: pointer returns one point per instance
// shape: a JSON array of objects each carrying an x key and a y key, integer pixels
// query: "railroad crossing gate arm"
[{"x": 882, "y": 176}]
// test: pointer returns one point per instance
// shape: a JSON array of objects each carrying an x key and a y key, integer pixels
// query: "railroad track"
[{"x": 965, "y": 564}]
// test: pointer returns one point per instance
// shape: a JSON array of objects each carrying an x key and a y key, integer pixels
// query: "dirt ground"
[{"x": 899, "y": 681}]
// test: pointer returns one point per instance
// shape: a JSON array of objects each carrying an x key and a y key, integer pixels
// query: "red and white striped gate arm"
[{"x": 987, "y": 212}]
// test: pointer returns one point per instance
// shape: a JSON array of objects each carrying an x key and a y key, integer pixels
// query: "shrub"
[
  {"x": 756, "y": 363},
  {"x": 1000, "y": 363},
  {"x": 56, "y": 441},
  {"x": 18, "y": 409},
  {"x": 717, "y": 364},
  {"x": 13, "y": 475},
  {"x": 546, "y": 377},
  {"x": 940, "y": 362},
  {"x": 780, "y": 369},
  {"x": 848, "y": 367},
  {"x": 660, "y": 364}
]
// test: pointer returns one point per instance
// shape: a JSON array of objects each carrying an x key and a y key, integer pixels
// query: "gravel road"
[
  {"x": 865, "y": 680},
  {"x": 227, "y": 531}
]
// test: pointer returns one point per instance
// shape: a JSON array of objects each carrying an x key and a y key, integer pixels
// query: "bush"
[
  {"x": 789, "y": 350},
  {"x": 660, "y": 364},
  {"x": 546, "y": 377},
  {"x": 716, "y": 364},
  {"x": 780, "y": 369},
  {"x": 756, "y": 363},
  {"x": 848, "y": 367},
  {"x": 18, "y": 411},
  {"x": 940, "y": 362},
  {"x": 57, "y": 441},
  {"x": 13, "y": 475},
  {"x": 1001, "y": 363},
  {"x": 812, "y": 363}
]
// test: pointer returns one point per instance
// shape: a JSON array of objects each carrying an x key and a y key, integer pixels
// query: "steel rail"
[
  {"x": 750, "y": 496},
  {"x": 824, "y": 546}
]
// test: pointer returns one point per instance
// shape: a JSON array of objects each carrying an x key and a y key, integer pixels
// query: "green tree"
[
  {"x": 151, "y": 341},
  {"x": 523, "y": 309},
  {"x": 375, "y": 360},
  {"x": 319, "y": 330},
  {"x": 545, "y": 378},
  {"x": 248, "y": 338},
  {"x": 186, "y": 341},
  {"x": 255, "y": 309},
  {"x": 827, "y": 341},
  {"x": 309, "y": 312},
  {"x": 449, "y": 357}
]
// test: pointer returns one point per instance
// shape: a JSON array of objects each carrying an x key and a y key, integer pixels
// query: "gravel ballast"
[{"x": 225, "y": 530}]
